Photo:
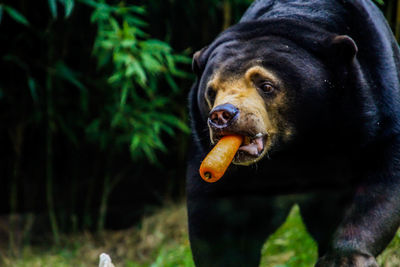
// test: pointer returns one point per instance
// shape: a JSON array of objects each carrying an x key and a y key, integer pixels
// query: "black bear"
[{"x": 313, "y": 86}]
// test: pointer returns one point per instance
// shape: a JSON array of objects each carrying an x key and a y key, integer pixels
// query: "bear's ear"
[
  {"x": 197, "y": 64},
  {"x": 342, "y": 47}
]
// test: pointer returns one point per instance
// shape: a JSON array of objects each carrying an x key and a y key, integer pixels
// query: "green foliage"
[
  {"x": 68, "y": 7},
  {"x": 177, "y": 256},
  {"x": 290, "y": 245},
  {"x": 14, "y": 14},
  {"x": 85, "y": 66},
  {"x": 140, "y": 112}
]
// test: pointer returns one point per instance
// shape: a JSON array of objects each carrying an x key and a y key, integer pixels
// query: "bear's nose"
[{"x": 222, "y": 115}]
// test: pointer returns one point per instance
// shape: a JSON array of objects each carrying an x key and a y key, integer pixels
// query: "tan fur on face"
[
  {"x": 241, "y": 92},
  {"x": 256, "y": 114}
]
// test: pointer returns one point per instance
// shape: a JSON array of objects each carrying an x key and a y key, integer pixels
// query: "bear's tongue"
[{"x": 255, "y": 147}]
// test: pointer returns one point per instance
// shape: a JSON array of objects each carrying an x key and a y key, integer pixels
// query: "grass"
[{"x": 161, "y": 240}]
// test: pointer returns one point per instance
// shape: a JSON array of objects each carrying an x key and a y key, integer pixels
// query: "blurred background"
[{"x": 94, "y": 129}]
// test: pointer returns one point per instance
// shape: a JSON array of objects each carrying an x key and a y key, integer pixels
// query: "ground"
[{"x": 161, "y": 240}]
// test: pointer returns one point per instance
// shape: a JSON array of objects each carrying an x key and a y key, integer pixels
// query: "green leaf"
[
  {"x": 171, "y": 83},
  {"x": 156, "y": 45},
  {"x": 150, "y": 64},
  {"x": 1, "y": 12},
  {"x": 114, "y": 24},
  {"x": 137, "y": 9},
  {"x": 118, "y": 117},
  {"x": 136, "y": 21},
  {"x": 90, "y": 3},
  {"x": 149, "y": 153},
  {"x": 139, "y": 73},
  {"x": 32, "y": 88},
  {"x": 182, "y": 59},
  {"x": 18, "y": 17},
  {"x": 68, "y": 6},
  {"x": 174, "y": 121},
  {"x": 157, "y": 143},
  {"x": 179, "y": 73},
  {"x": 66, "y": 73},
  {"x": 93, "y": 127},
  {"x": 167, "y": 129},
  {"x": 124, "y": 95},
  {"x": 103, "y": 58},
  {"x": 139, "y": 32},
  {"x": 99, "y": 15},
  {"x": 381, "y": 2},
  {"x": 115, "y": 77},
  {"x": 127, "y": 43},
  {"x": 67, "y": 130},
  {"x": 170, "y": 61},
  {"x": 135, "y": 142},
  {"x": 53, "y": 8}
]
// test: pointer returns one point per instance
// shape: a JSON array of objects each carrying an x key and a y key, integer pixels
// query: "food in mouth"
[{"x": 220, "y": 157}]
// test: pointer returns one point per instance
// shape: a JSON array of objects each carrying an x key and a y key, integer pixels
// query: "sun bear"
[{"x": 313, "y": 87}]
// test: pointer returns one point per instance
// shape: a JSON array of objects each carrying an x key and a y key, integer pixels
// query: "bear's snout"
[{"x": 223, "y": 115}]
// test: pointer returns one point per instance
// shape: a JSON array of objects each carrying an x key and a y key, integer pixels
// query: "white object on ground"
[{"x": 105, "y": 261}]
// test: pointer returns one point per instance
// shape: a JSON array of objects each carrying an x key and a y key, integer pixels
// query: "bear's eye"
[{"x": 266, "y": 87}]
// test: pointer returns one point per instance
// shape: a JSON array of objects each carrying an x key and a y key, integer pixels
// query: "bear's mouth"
[{"x": 251, "y": 150}]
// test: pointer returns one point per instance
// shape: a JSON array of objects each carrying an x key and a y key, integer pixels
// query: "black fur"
[{"x": 340, "y": 64}]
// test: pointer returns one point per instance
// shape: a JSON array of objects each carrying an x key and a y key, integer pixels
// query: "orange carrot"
[{"x": 217, "y": 161}]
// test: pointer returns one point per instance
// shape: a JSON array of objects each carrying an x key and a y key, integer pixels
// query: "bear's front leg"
[
  {"x": 230, "y": 231},
  {"x": 373, "y": 217}
]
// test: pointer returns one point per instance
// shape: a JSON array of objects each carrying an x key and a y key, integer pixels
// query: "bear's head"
[{"x": 268, "y": 88}]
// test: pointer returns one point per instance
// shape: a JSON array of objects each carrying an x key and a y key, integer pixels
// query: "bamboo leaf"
[
  {"x": 179, "y": 73},
  {"x": 139, "y": 72},
  {"x": 115, "y": 77},
  {"x": 167, "y": 129},
  {"x": 136, "y": 21},
  {"x": 128, "y": 43},
  {"x": 135, "y": 142},
  {"x": 171, "y": 83},
  {"x": 1, "y": 12},
  {"x": 70, "y": 134},
  {"x": 93, "y": 127},
  {"x": 66, "y": 73},
  {"x": 53, "y": 8},
  {"x": 124, "y": 95},
  {"x": 149, "y": 153},
  {"x": 18, "y": 17},
  {"x": 114, "y": 24},
  {"x": 158, "y": 143},
  {"x": 172, "y": 120},
  {"x": 150, "y": 64},
  {"x": 182, "y": 59},
  {"x": 137, "y": 9},
  {"x": 32, "y": 88},
  {"x": 156, "y": 45},
  {"x": 116, "y": 119},
  {"x": 68, "y": 6},
  {"x": 90, "y": 3}
]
